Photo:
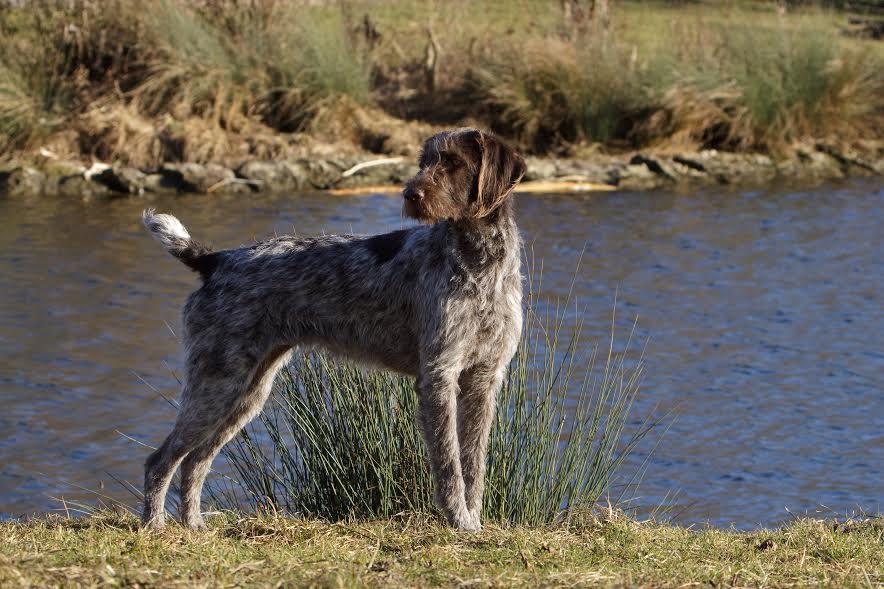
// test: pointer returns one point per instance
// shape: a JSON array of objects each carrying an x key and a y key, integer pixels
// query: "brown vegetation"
[{"x": 176, "y": 80}]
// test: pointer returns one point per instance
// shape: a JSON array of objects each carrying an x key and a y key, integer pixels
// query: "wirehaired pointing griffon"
[{"x": 440, "y": 301}]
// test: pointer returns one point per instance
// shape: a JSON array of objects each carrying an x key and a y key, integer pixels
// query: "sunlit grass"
[{"x": 411, "y": 550}]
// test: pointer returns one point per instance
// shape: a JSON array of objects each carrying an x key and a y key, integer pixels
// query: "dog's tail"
[{"x": 171, "y": 233}]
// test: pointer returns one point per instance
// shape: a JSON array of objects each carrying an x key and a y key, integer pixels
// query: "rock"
[
  {"x": 390, "y": 173},
  {"x": 583, "y": 170},
  {"x": 846, "y": 157},
  {"x": 730, "y": 168},
  {"x": 23, "y": 181},
  {"x": 636, "y": 177},
  {"x": 269, "y": 176},
  {"x": 80, "y": 187},
  {"x": 539, "y": 169},
  {"x": 190, "y": 177},
  {"x": 318, "y": 174},
  {"x": 122, "y": 179},
  {"x": 162, "y": 183},
  {"x": 300, "y": 173},
  {"x": 811, "y": 164},
  {"x": 658, "y": 166},
  {"x": 63, "y": 168}
]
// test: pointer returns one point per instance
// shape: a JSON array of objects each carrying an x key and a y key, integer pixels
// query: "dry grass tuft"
[{"x": 550, "y": 92}]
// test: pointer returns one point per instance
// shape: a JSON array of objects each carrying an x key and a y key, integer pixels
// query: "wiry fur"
[{"x": 441, "y": 302}]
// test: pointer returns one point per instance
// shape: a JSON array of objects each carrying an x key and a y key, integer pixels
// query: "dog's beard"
[{"x": 415, "y": 210}]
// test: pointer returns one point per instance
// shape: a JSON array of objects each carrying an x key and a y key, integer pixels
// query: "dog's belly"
[{"x": 368, "y": 343}]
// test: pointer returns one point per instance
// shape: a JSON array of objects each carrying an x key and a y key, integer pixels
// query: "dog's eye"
[{"x": 449, "y": 160}]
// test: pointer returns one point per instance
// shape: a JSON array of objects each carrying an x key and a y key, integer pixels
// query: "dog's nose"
[{"x": 412, "y": 193}]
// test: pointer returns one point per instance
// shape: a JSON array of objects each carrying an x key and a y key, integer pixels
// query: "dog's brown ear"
[{"x": 500, "y": 170}]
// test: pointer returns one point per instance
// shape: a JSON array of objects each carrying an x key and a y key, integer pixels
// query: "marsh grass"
[
  {"x": 555, "y": 92},
  {"x": 747, "y": 83},
  {"x": 750, "y": 86},
  {"x": 231, "y": 80},
  {"x": 338, "y": 442},
  {"x": 171, "y": 63}
]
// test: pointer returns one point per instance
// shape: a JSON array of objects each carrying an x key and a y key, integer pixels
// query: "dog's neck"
[{"x": 491, "y": 240}]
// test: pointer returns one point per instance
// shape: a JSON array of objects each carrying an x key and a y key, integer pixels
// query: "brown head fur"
[{"x": 465, "y": 174}]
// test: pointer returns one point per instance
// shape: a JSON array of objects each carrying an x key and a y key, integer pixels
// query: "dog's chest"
[{"x": 496, "y": 309}]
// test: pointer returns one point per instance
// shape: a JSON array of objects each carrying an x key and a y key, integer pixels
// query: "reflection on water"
[{"x": 762, "y": 309}]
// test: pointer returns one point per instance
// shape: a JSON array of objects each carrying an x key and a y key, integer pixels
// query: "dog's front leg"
[
  {"x": 437, "y": 413},
  {"x": 475, "y": 414}
]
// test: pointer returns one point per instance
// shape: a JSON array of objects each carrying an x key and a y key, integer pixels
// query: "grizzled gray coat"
[{"x": 440, "y": 301}]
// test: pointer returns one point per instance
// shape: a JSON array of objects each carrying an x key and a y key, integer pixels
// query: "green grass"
[{"x": 411, "y": 550}]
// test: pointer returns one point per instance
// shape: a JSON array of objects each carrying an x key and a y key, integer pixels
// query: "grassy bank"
[
  {"x": 175, "y": 80},
  {"x": 107, "y": 549}
]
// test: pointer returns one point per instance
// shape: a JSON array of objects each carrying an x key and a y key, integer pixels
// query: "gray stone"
[
  {"x": 318, "y": 174},
  {"x": 583, "y": 170},
  {"x": 637, "y": 177},
  {"x": 80, "y": 187},
  {"x": 811, "y": 164},
  {"x": 268, "y": 176},
  {"x": 22, "y": 181},
  {"x": 384, "y": 174},
  {"x": 162, "y": 183},
  {"x": 730, "y": 168},
  {"x": 846, "y": 157},
  {"x": 122, "y": 179},
  {"x": 190, "y": 177},
  {"x": 659, "y": 166},
  {"x": 539, "y": 168}
]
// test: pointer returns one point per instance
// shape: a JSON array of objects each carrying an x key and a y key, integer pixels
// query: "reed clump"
[{"x": 338, "y": 442}]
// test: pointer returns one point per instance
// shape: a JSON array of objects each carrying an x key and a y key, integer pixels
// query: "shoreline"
[{"x": 49, "y": 175}]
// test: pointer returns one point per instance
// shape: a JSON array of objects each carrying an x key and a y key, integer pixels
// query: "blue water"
[{"x": 761, "y": 311}]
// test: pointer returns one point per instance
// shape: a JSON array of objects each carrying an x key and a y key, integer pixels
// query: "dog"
[{"x": 441, "y": 301}]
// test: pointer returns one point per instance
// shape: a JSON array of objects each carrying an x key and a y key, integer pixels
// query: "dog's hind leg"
[
  {"x": 160, "y": 466},
  {"x": 158, "y": 470},
  {"x": 249, "y": 398}
]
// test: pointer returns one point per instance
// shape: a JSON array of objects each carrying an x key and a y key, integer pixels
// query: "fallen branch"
[
  {"x": 524, "y": 187},
  {"x": 370, "y": 164}
]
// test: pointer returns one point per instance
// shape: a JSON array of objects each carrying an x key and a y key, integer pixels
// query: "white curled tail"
[{"x": 171, "y": 233}]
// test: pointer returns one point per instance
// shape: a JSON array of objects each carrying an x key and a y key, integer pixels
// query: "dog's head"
[{"x": 464, "y": 174}]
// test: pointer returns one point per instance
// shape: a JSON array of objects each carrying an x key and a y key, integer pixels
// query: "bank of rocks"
[{"x": 639, "y": 171}]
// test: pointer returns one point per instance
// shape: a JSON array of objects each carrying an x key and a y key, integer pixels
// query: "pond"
[{"x": 761, "y": 310}]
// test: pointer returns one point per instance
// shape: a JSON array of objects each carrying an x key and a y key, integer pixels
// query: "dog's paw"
[
  {"x": 468, "y": 523},
  {"x": 157, "y": 522},
  {"x": 196, "y": 524}
]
